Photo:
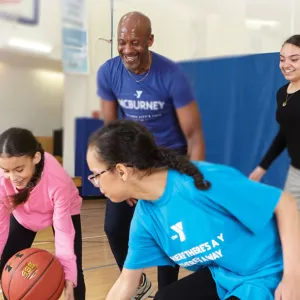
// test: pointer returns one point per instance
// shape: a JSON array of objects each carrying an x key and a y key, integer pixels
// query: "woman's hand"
[
  {"x": 289, "y": 288},
  {"x": 69, "y": 290},
  {"x": 288, "y": 221},
  {"x": 257, "y": 174}
]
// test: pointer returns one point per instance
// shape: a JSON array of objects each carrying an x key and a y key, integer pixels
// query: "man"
[{"x": 149, "y": 88}]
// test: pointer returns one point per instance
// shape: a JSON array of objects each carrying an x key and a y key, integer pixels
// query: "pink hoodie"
[{"x": 52, "y": 202}]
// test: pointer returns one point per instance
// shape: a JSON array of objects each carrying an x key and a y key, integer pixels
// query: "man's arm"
[
  {"x": 126, "y": 285},
  {"x": 109, "y": 110},
  {"x": 190, "y": 122}
]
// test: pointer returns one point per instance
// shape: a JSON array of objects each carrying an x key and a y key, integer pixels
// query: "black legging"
[
  {"x": 197, "y": 286},
  {"x": 20, "y": 238}
]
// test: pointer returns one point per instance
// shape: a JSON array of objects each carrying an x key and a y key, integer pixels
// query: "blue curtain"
[{"x": 237, "y": 100}]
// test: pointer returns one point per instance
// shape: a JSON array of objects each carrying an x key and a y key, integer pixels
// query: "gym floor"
[{"x": 100, "y": 269}]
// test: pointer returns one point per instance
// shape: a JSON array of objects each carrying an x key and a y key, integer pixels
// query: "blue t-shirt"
[
  {"x": 153, "y": 100},
  {"x": 231, "y": 228}
]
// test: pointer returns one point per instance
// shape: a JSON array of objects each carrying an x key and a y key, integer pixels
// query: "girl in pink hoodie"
[{"x": 36, "y": 192}]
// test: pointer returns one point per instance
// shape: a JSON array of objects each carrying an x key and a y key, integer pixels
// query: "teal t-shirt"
[{"x": 231, "y": 228}]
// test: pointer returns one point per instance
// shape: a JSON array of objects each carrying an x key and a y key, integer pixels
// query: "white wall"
[
  {"x": 80, "y": 91},
  {"x": 99, "y": 31},
  {"x": 30, "y": 97},
  {"x": 47, "y": 31},
  {"x": 184, "y": 29},
  {"x": 31, "y": 85},
  {"x": 192, "y": 29},
  {"x": 296, "y": 19}
]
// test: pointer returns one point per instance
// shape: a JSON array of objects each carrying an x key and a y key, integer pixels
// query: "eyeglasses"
[{"x": 93, "y": 178}]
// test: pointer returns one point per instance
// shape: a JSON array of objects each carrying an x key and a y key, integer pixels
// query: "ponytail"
[{"x": 182, "y": 164}]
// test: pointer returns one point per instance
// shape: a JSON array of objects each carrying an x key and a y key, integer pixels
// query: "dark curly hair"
[{"x": 129, "y": 142}]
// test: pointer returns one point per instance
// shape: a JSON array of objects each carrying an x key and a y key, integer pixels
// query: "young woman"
[
  {"x": 36, "y": 192},
  {"x": 288, "y": 117},
  {"x": 241, "y": 238}
]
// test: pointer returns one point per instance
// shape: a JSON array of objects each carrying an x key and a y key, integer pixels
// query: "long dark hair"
[
  {"x": 293, "y": 40},
  {"x": 16, "y": 142},
  {"x": 129, "y": 142}
]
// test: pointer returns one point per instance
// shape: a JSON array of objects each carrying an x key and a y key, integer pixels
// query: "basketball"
[{"x": 33, "y": 274}]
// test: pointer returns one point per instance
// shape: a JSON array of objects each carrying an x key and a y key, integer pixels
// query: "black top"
[{"x": 288, "y": 118}]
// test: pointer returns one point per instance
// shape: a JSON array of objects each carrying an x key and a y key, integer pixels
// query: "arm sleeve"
[
  {"x": 4, "y": 220},
  {"x": 252, "y": 203},
  {"x": 143, "y": 252},
  {"x": 180, "y": 89},
  {"x": 104, "y": 90},
  {"x": 277, "y": 146},
  {"x": 64, "y": 232}
]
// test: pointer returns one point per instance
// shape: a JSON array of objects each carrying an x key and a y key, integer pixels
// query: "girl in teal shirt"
[{"x": 240, "y": 238}]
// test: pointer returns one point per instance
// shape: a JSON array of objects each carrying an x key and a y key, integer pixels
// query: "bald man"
[{"x": 149, "y": 88}]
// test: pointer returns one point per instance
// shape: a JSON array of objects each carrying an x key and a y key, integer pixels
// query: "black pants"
[
  {"x": 197, "y": 286},
  {"x": 117, "y": 223},
  {"x": 20, "y": 238}
]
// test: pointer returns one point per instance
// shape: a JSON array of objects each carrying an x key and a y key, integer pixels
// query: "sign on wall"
[{"x": 74, "y": 37}]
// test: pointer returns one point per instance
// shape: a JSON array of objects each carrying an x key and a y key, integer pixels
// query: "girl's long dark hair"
[{"x": 16, "y": 142}]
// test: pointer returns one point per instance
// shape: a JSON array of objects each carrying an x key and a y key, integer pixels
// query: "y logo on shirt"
[
  {"x": 179, "y": 230},
  {"x": 138, "y": 94}
]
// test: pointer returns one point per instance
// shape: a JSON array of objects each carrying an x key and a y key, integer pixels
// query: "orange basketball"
[{"x": 33, "y": 274}]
